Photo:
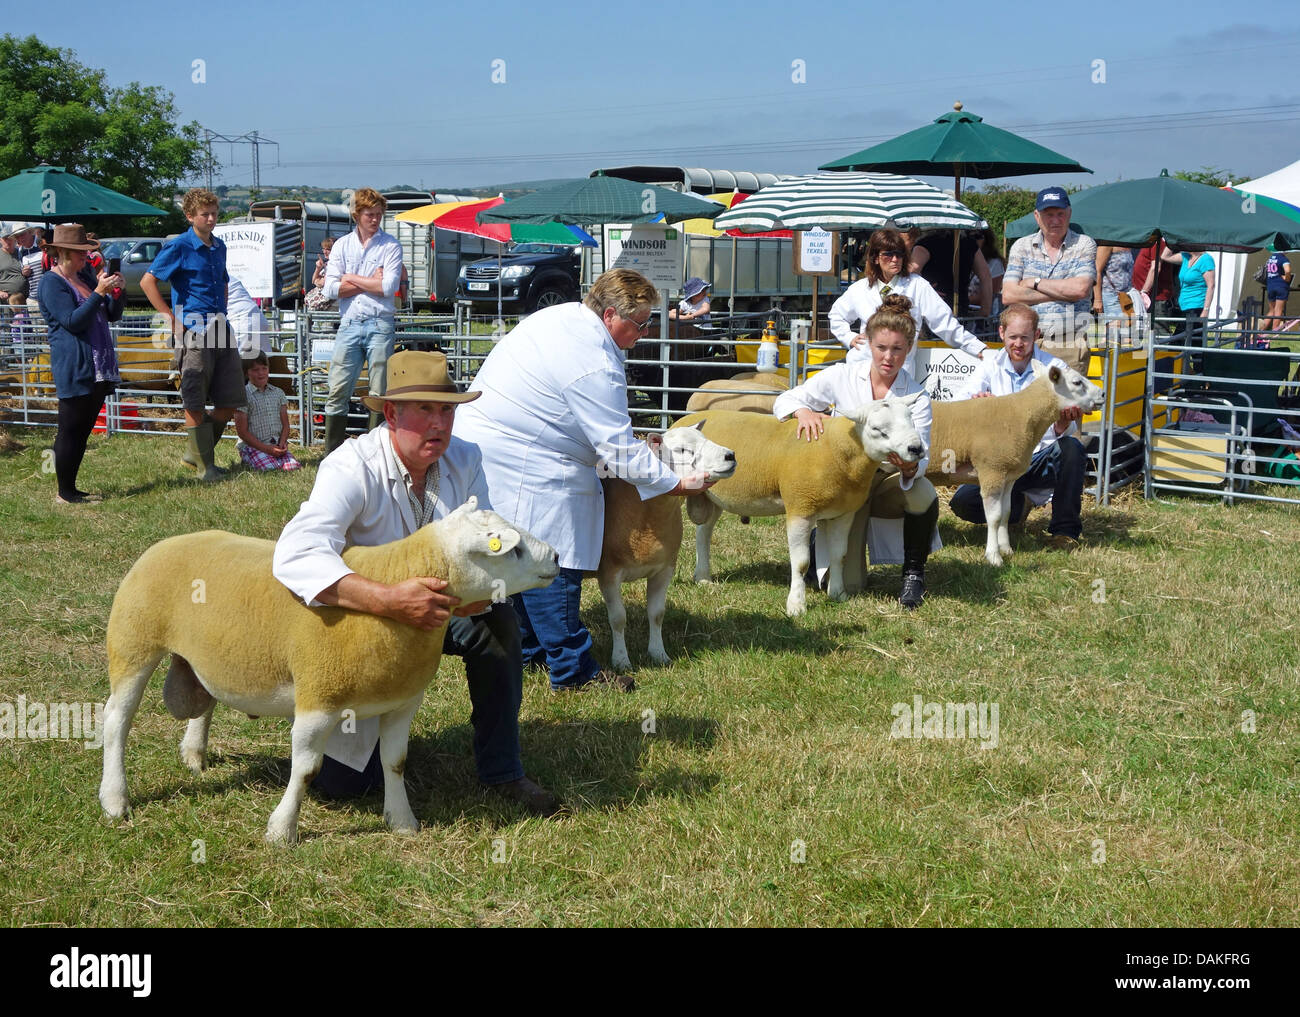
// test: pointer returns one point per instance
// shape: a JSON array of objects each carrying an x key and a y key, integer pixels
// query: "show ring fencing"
[{"x": 1219, "y": 419}]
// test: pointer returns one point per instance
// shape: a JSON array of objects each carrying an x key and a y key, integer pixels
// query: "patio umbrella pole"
[{"x": 956, "y": 243}]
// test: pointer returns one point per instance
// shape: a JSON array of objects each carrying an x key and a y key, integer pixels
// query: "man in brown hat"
[{"x": 381, "y": 487}]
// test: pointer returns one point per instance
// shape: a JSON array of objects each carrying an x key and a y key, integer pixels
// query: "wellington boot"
[
  {"x": 190, "y": 457},
  {"x": 918, "y": 529},
  {"x": 202, "y": 437},
  {"x": 336, "y": 431}
]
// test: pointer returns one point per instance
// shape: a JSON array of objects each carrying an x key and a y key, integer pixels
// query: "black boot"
[
  {"x": 918, "y": 529},
  {"x": 336, "y": 431}
]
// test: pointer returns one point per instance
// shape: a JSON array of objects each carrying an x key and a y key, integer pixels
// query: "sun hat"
[
  {"x": 693, "y": 287},
  {"x": 419, "y": 377},
  {"x": 1051, "y": 197},
  {"x": 72, "y": 236},
  {"x": 13, "y": 229}
]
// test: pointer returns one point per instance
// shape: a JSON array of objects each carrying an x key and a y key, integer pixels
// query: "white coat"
[
  {"x": 863, "y": 299},
  {"x": 553, "y": 413},
  {"x": 360, "y": 498}
]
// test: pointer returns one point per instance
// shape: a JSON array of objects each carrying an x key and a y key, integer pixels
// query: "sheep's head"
[
  {"x": 488, "y": 558},
  {"x": 1072, "y": 388},
  {"x": 685, "y": 450},
  {"x": 886, "y": 426}
]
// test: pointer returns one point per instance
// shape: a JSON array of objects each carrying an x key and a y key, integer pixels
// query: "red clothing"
[{"x": 1163, "y": 289}]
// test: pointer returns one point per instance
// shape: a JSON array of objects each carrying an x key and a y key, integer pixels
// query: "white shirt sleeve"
[
  {"x": 334, "y": 269},
  {"x": 938, "y": 316},
  {"x": 392, "y": 268},
  {"x": 817, "y": 394},
  {"x": 842, "y": 316},
  {"x": 309, "y": 554},
  {"x": 598, "y": 402}
]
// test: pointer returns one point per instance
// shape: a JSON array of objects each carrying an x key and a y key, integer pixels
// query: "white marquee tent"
[{"x": 1234, "y": 271}]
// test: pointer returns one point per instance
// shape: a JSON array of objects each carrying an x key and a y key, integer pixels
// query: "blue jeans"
[
  {"x": 1061, "y": 466},
  {"x": 489, "y": 645},
  {"x": 552, "y": 632},
  {"x": 368, "y": 339}
]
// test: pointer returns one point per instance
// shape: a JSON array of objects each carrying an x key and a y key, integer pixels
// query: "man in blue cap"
[{"x": 1053, "y": 270}]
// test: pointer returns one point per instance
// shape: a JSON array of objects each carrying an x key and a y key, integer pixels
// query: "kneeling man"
[
  {"x": 1059, "y": 462},
  {"x": 379, "y": 488}
]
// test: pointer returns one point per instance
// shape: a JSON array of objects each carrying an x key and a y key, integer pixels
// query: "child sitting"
[{"x": 263, "y": 427}]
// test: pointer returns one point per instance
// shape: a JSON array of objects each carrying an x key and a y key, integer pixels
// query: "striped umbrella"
[{"x": 836, "y": 201}]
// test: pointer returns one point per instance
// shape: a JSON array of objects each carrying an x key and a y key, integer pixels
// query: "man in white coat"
[
  {"x": 552, "y": 421},
  {"x": 379, "y": 488}
]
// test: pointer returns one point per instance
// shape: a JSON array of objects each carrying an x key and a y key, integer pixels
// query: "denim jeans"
[
  {"x": 489, "y": 645},
  {"x": 1061, "y": 466},
  {"x": 368, "y": 339},
  {"x": 552, "y": 632}
]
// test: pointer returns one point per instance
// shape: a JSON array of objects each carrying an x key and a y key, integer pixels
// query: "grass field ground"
[{"x": 1144, "y": 770}]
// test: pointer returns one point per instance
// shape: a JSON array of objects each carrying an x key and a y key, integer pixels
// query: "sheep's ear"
[
  {"x": 496, "y": 541},
  {"x": 470, "y": 505},
  {"x": 1038, "y": 367},
  {"x": 1054, "y": 373},
  {"x": 699, "y": 426},
  {"x": 907, "y": 400}
]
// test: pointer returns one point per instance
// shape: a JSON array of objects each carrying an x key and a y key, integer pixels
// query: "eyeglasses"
[
  {"x": 892, "y": 254},
  {"x": 641, "y": 326}
]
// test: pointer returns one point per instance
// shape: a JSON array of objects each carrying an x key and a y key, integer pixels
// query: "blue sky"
[{"x": 384, "y": 93}]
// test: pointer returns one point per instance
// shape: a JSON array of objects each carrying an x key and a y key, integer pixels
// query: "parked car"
[
  {"x": 137, "y": 254},
  {"x": 531, "y": 276}
]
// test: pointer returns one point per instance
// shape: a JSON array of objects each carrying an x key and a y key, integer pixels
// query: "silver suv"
[{"x": 137, "y": 254}]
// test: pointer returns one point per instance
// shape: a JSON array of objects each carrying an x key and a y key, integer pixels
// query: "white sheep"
[
  {"x": 642, "y": 538},
  {"x": 187, "y": 595},
  {"x": 992, "y": 441},
  {"x": 821, "y": 483}
]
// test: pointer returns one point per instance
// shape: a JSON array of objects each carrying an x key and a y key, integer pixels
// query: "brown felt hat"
[
  {"x": 416, "y": 377},
  {"x": 72, "y": 235}
]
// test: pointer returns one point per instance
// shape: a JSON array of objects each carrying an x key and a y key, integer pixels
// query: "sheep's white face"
[
  {"x": 685, "y": 450},
  {"x": 1072, "y": 388},
  {"x": 491, "y": 558},
  {"x": 886, "y": 426}
]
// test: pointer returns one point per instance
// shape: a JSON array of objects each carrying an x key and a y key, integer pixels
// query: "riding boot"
[
  {"x": 336, "y": 431},
  {"x": 918, "y": 530},
  {"x": 191, "y": 457}
]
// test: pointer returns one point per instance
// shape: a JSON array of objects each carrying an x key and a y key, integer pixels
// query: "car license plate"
[{"x": 478, "y": 286}]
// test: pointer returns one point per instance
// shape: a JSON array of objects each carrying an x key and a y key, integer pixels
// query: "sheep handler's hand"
[
  {"x": 811, "y": 423},
  {"x": 419, "y": 601},
  {"x": 693, "y": 483},
  {"x": 905, "y": 468}
]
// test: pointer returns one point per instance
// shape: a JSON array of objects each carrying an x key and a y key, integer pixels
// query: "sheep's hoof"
[
  {"x": 794, "y": 608},
  {"x": 621, "y": 662},
  {"x": 408, "y": 825},
  {"x": 195, "y": 759},
  {"x": 704, "y": 580},
  {"x": 281, "y": 834},
  {"x": 115, "y": 806},
  {"x": 840, "y": 595},
  {"x": 993, "y": 558},
  {"x": 658, "y": 656}
]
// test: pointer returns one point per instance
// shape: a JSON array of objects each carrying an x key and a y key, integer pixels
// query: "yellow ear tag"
[{"x": 494, "y": 545}]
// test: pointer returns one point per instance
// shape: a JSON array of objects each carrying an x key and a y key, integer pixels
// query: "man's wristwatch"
[{"x": 1036, "y": 282}]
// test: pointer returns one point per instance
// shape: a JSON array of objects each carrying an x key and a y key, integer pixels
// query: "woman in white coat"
[
  {"x": 551, "y": 422},
  {"x": 888, "y": 272},
  {"x": 891, "y": 335}
]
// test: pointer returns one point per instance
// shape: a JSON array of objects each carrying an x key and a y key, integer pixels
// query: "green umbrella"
[
  {"x": 595, "y": 200},
  {"x": 52, "y": 194},
  {"x": 1192, "y": 216},
  {"x": 962, "y": 144}
]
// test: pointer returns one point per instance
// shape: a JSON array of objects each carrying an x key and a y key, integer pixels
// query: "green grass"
[{"x": 1120, "y": 721}]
